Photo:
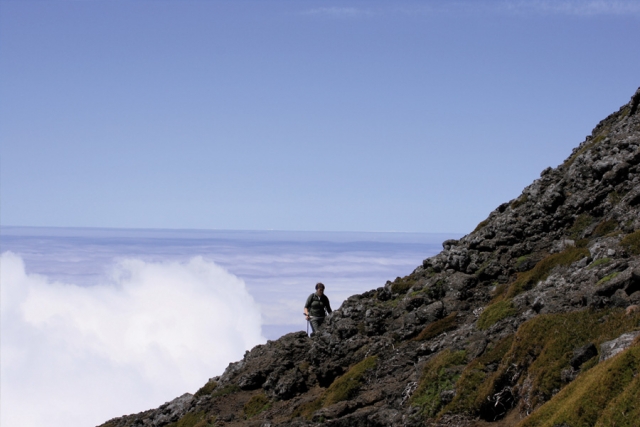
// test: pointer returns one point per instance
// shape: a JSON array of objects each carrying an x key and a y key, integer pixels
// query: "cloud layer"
[{"x": 74, "y": 355}]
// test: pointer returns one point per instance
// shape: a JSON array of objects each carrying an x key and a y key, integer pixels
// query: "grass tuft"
[
  {"x": 343, "y": 388},
  {"x": 579, "y": 225},
  {"x": 439, "y": 374},
  {"x": 544, "y": 345},
  {"x": 402, "y": 284},
  {"x": 477, "y": 379},
  {"x": 439, "y": 326},
  {"x": 481, "y": 225},
  {"x": 496, "y": 312},
  {"x": 605, "y": 227},
  {"x": 226, "y": 390},
  {"x": 191, "y": 419},
  {"x": 631, "y": 243},
  {"x": 519, "y": 201},
  {"x": 528, "y": 279},
  {"x": 256, "y": 405},
  {"x": 206, "y": 389},
  {"x": 606, "y": 395}
]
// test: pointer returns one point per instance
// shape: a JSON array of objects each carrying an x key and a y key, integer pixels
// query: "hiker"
[{"x": 316, "y": 307}]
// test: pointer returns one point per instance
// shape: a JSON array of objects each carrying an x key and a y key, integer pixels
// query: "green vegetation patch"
[
  {"x": 345, "y": 387},
  {"x": 192, "y": 419},
  {"x": 605, "y": 227},
  {"x": 521, "y": 261},
  {"x": 206, "y": 389},
  {"x": 538, "y": 352},
  {"x": 579, "y": 225},
  {"x": 631, "y": 243},
  {"x": 528, "y": 279},
  {"x": 440, "y": 374},
  {"x": 605, "y": 279},
  {"x": 477, "y": 379},
  {"x": 499, "y": 292},
  {"x": 607, "y": 395},
  {"x": 496, "y": 312},
  {"x": 582, "y": 243},
  {"x": 544, "y": 345},
  {"x": 519, "y": 201},
  {"x": 481, "y": 225},
  {"x": 402, "y": 284},
  {"x": 599, "y": 262},
  {"x": 599, "y": 138},
  {"x": 439, "y": 326},
  {"x": 256, "y": 405}
]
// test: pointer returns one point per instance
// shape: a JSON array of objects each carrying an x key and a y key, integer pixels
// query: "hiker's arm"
[{"x": 327, "y": 305}]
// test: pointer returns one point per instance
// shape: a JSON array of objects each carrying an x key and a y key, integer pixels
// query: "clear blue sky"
[{"x": 298, "y": 115}]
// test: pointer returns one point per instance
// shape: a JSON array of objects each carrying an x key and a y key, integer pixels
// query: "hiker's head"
[{"x": 319, "y": 288}]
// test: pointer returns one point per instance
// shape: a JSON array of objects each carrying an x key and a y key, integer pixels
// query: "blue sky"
[{"x": 298, "y": 115}]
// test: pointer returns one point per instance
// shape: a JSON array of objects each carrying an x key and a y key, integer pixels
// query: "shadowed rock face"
[{"x": 489, "y": 329}]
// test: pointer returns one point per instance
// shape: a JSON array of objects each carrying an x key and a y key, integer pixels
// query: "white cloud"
[
  {"x": 74, "y": 355},
  {"x": 575, "y": 8},
  {"x": 581, "y": 8}
]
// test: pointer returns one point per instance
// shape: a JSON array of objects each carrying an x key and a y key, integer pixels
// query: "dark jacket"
[{"x": 317, "y": 305}]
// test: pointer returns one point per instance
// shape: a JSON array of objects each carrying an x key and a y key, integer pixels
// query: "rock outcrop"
[{"x": 538, "y": 303}]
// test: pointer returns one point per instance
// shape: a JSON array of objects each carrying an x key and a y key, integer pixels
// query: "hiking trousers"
[{"x": 315, "y": 323}]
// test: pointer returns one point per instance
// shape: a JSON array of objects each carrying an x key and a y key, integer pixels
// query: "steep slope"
[{"x": 530, "y": 313}]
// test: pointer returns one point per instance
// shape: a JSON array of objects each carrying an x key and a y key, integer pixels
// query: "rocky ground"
[{"x": 532, "y": 319}]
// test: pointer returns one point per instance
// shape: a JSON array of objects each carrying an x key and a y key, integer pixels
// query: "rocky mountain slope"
[{"x": 532, "y": 319}]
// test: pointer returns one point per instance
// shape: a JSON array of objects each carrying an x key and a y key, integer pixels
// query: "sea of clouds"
[{"x": 100, "y": 323}]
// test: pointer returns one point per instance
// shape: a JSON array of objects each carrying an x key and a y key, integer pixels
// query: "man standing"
[{"x": 316, "y": 307}]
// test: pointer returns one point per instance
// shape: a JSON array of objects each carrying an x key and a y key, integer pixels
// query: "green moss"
[
  {"x": 607, "y": 395},
  {"x": 348, "y": 385},
  {"x": 256, "y": 405},
  {"x": 477, "y": 379},
  {"x": 519, "y": 201},
  {"x": 481, "y": 225},
  {"x": 206, "y": 389},
  {"x": 528, "y": 279},
  {"x": 344, "y": 388},
  {"x": 582, "y": 243},
  {"x": 495, "y": 312},
  {"x": 605, "y": 279},
  {"x": 605, "y": 227},
  {"x": 579, "y": 225},
  {"x": 599, "y": 262},
  {"x": 436, "y": 328},
  {"x": 402, "y": 284},
  {"x": 521, "y": 260},
  {"x": 631, "y": 243},
  {"x": 439, "y": 374}
]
